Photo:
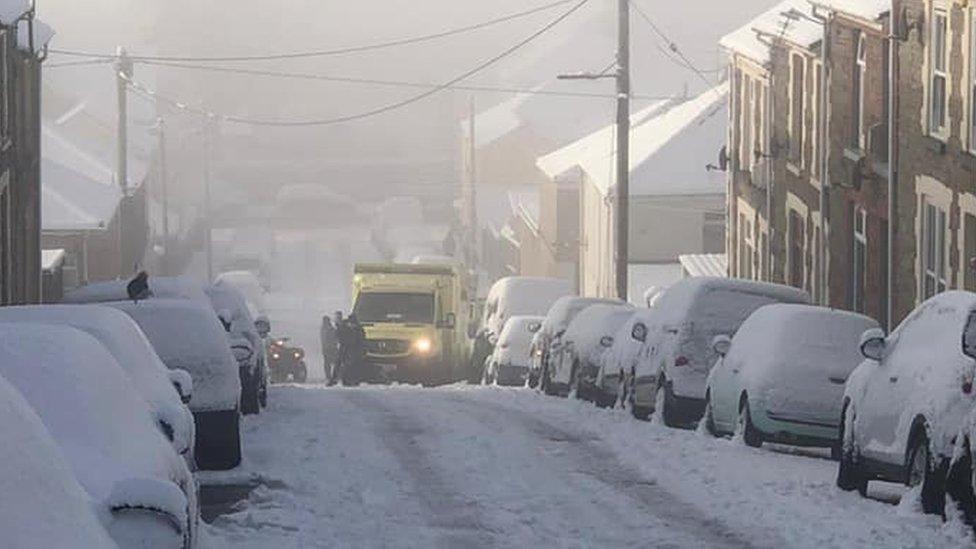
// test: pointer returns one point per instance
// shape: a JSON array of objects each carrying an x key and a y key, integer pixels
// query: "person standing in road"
[
  {"x": 330, "y": 349},
  {"x": 342, "y": 344},
  {"x": 353, "y": 351}
]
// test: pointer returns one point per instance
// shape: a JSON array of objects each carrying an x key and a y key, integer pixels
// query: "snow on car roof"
[
  {"x": 593, "y": 324},
  {"x": 523, "y": 295},
  {"x": 565, "y": 309},
  {"x": 186, "y": 334},
  {"x": 676, "y": 301},
  {"x": 160, "y": 286},
  {"x": 87, "y": 403},
  {"x": 43, "y": 504},
  {"x": 801, "y": 339}
]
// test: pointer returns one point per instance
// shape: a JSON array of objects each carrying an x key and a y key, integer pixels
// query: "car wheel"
[
  {"x": 745, "y": 428},
  {"x": 921, "y": 469},
  {"x": 664, "y": 404},
  {"x": 263, "y": 394},
  {"x": 849, "y": 474},
  {"x": 959, "y": 483},
  {"x": 533, "y": 381},
  {"x": 708, "y": 418},
  {"x": 546, "y": 383}
]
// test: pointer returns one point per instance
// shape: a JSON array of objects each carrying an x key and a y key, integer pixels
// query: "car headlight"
[
  {"x": 275, "y": 356},
  {"x": 423, "y": 345},
  {"x": 298, "y": 354}
]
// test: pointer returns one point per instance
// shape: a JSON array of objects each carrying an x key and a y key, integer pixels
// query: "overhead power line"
[
  {"x": 391, "y": 83},
  {"x": 672, "y": 46},
  {"x": 373, "y": 112},
  {"x": 81, "y": 63},
  {"x": 329, "y": 52}
]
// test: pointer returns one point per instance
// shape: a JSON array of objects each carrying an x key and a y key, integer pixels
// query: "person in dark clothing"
[
  {"x": 353, "y": 351},
  {"x": 330, "y": 349}
]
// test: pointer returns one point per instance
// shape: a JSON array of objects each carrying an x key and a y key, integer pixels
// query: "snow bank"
[
  {"x": 521, "y": 295},
  {"x": 130, "y": 348},
  {"x": 187, "y": 335},
  {"x": 42, "y": 505},
  {"x": 87, "y": 403},
  {"x": 515, "y": 343}
]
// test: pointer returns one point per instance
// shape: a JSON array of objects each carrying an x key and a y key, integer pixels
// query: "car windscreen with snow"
[
  {"x": 43, "y": 505},
  {"x": 516, "y": 340},
  {"x": 395, "y": 307},
  {"x": 565, "y": 309},
  {"x": 103, "y": 426},
  {"x": 594, "y": 326},
  {"x": 187, "y": 335},
  {"x": 128, "y": 345}
]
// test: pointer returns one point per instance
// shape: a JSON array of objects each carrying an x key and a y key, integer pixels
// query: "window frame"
[
  {"x": 747, "y": 117},
  {"x": 933, "y": 249},
  {"x": 818, "y": 134},
  {"x": 860, "y": 75},
  {"x": 939, "y": 20},
  {"x": 972, "y": 80},
  {"x": 797, "y": 108}
]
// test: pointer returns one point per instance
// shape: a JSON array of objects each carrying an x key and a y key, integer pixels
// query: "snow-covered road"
[{"x": 489, "y": 467}]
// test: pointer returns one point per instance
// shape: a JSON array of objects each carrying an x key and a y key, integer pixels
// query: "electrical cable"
[
  {"x": 393, "y": 83},
  {"x": 671, "y": 45},
  {"x": 324, "y": 53},
  {"x": 82, "y": 63},
  {"x": 379, "y": 110}
]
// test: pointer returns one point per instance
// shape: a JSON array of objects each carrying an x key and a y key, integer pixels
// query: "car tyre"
[
  {"x": 849, "y": 474},
  {"x": 665, "y": 400},
  {"x": 250, "y": 400},
  {"x": 752, "y": 437},
  {"x": 959, "y": 484},
  {"x": 921, "y": 468},
  {"x": 709, "y": 416}
]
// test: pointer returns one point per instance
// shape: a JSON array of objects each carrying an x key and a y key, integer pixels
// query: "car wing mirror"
[
  {"x": 873, "y": 344},
  {"x": 639, "y": 332},
  {"x": 721, "y": 345},
  {"x": 183, "y": 383},
  {"x": 606, "y": 342}
]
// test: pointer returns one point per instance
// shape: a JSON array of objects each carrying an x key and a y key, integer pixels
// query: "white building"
[{"x": 677, "y": 202}]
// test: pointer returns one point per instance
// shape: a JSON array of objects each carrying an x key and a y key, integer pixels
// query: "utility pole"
[
  {"x": 472, "y": 176},
  {"x": 123, "y": 73},
  {"x": 621, "y": 259},
  {"x": 623, "y": 148},
  {"x": 208, "y": 150},
  {"x": 163, "y": 191}
]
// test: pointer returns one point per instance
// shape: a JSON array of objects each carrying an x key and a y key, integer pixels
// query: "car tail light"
[{"x": 681, "y": 361}]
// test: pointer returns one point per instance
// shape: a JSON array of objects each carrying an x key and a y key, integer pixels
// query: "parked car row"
[
  {"x": 117, "y": 395},
  {"x": 758, "y": 362}
]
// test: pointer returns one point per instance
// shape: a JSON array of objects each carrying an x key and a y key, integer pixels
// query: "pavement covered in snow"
[{"x": 489, "y": 467}]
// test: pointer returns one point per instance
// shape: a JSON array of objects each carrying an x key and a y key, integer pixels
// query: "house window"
[
  {"x": 796, "y": 108},
  {"x": 939, "y": 77},
  {"x": 968, "y": 251},
  {"x": 860, "y": 70},
  {"x": 747, "y": 246},
  {"x": 796, "y": 252},
  {"x": 759, "y": 128},
  {"x": 860, "y": 259},
  {"x": 815, "y": 263},
  {"x": 933, "y": 248},
  {"x": 713, "y": 232},
  {"x": 5, "y": 91}
]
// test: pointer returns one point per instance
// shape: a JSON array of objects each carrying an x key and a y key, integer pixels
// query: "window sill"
[
  {"x": 854, "y": 155},
  {"x": 793, "y": 169}
]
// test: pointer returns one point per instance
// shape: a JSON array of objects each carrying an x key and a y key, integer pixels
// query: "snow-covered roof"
[
  {"x": 72, "y": 201},
  {"x": 52, "y": 259},
  {"x": 704, "y": 264},
  {"x": 798, "y": 30},
  {"x": 43, "y": 33},
  {"x": 670, "y": 146},
  {"x": 12, "y": 10},
  {"x": 559, "y": 162},
  {"x": 498, "y": 121},
  {"x": 865, "y": 9}
]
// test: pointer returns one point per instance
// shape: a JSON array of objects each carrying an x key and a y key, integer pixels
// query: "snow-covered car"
[
  {"x": 143, "y": 490},
  {"x": 509, "y": 362},
  {"x": 43, "y": 505},
  {"x": 781, "y": 378},
  {"x": 246, "y": 342},
  {"x": 228, "y": 305},
  {"x": 906, "y": 405},
  {"x": 587, "y": 338},
  {"x": 187, "y": 335},
  {"x": 249, "y": 285},
  {"x": 508, "y": 297},
  {"x": 166, "y": 391},
  {"x": 549, "y": 342},
  {"x": 618, "y": 365},
  {"x": 671, "y": 380}
]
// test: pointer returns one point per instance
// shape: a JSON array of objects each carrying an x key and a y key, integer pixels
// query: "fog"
[{"x": 415, "y": 151}]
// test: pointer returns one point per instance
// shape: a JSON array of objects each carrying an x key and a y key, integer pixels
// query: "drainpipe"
[
  {"x": 892, "y": 162},
  {"x": 824, "y": 130},
  {"x": 767, "y": 154}
]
